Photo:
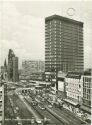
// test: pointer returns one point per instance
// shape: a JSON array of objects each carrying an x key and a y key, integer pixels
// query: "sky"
[{"x": 22, "y": 26}]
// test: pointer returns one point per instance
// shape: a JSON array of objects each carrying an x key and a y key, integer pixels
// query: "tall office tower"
[
  {"x": 15, "y": 69},
  {"x": 63, "y": 44},
  {"x": 10, "y": 64}
]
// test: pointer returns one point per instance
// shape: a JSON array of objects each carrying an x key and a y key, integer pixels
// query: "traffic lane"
[
  {"x": 9, "y": 113},
  {"x": 10, "y": 122},
  {"x": 23, "y": 111},
  {"x": 30, "y": 108},
  {"x": 74, "y": 117},
  {"x": 71, "y": 114},
  {"x": 52, "y": 119},
  {"x": 45, "y": 113},
  {"x": 70, "y": 117},
  {"x": 65, "y": 116},
  {"x": 26, "y": 122}
]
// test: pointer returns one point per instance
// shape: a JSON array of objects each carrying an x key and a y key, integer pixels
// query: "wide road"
[
  {"x": 68, "y": 116},
  {"x": 35, "y": 114},
  {"x": 52, "y": 119},
  {"x": 22, "y": 113}
]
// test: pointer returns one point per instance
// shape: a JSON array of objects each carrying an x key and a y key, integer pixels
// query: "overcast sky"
[{"x": 22, "y": 26}]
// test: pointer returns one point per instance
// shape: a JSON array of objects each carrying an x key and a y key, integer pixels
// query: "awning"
[{"x": 71, "y": 102}]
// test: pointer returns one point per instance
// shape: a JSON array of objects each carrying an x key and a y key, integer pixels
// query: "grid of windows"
[
  {"x": 87, "y": 90},
  {"x": 64, "y": 43}
]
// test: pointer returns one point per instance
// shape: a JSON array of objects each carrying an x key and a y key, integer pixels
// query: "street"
[{"x": 37, "y": 108}]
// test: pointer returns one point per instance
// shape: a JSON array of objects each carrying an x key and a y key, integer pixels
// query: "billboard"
[{"x": 61, "y": 86}]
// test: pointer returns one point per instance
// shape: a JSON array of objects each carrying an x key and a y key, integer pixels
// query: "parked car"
[
  {"x": 39, "y": 122},
  {"x": 50, "y": 106},
  {"x": 41, "y": 106},
  {"x": 34, "y": 103}
]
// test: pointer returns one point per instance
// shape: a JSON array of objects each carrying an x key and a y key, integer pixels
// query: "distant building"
[
  {"x": 4, "y": 72},
  {"x": 2, "y": 69},
  {"x": 12, "y": 66},
  {"x": 15, "y": 69},
  {"x": 63, "y": 44},
  {"x": 32, "y": 69},
  {"x": 32, "y": 66}
]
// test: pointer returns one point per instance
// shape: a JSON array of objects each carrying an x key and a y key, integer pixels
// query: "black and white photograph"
[{"x": 45, "y": 62}]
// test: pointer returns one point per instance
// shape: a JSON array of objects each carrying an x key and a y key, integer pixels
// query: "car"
[
  {"x": 79, "y": 114},
  {"x": 15, "y": 111},
  {"x": 46, "y": 120},
  {"x": 17, "y": 108},
  {"x": 19, "y": 123},
  {"x": 41, "y": 106},
  {"x": 34, "y": 103},
  {"x": 50, "y": 106},
  {"x": 32, "y": 120},
  {"x": 38, "y": 121}
]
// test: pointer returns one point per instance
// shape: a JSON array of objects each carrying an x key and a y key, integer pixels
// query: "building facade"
[
  {"x": 1, "y": 104},
  {"x": 87, "y": 91},
  {"x": 32, "y": 70},
  {"x": 74, "y": 86},
  {"x": 61, "y": 85},
  {"x": 74, "y": 91},
  {"x": 3, "y": 70},
  {"x": 15, "y": 69},
  {"x": 12, "y": 66},
  {"x": 63, "y": 44},
  {"x": 32, "y": 66}
]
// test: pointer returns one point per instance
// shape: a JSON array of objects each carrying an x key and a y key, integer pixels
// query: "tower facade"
[
  {"x": 15, "y": 69},
  {"x": 12, "y": 66},
  {"x": 63, "y": 44}
]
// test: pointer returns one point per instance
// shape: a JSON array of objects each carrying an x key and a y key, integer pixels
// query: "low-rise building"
[
  {"x": 74, "y": 90},
  {"x": 1, "y": 104},
  {"x": 87, "y": 88},
  {"x": 61, "y": 84}
]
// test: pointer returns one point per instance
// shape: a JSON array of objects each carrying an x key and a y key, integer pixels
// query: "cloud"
[
  {"x": 22, "y": 33},
  {"x": 22, "y": 27}
]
